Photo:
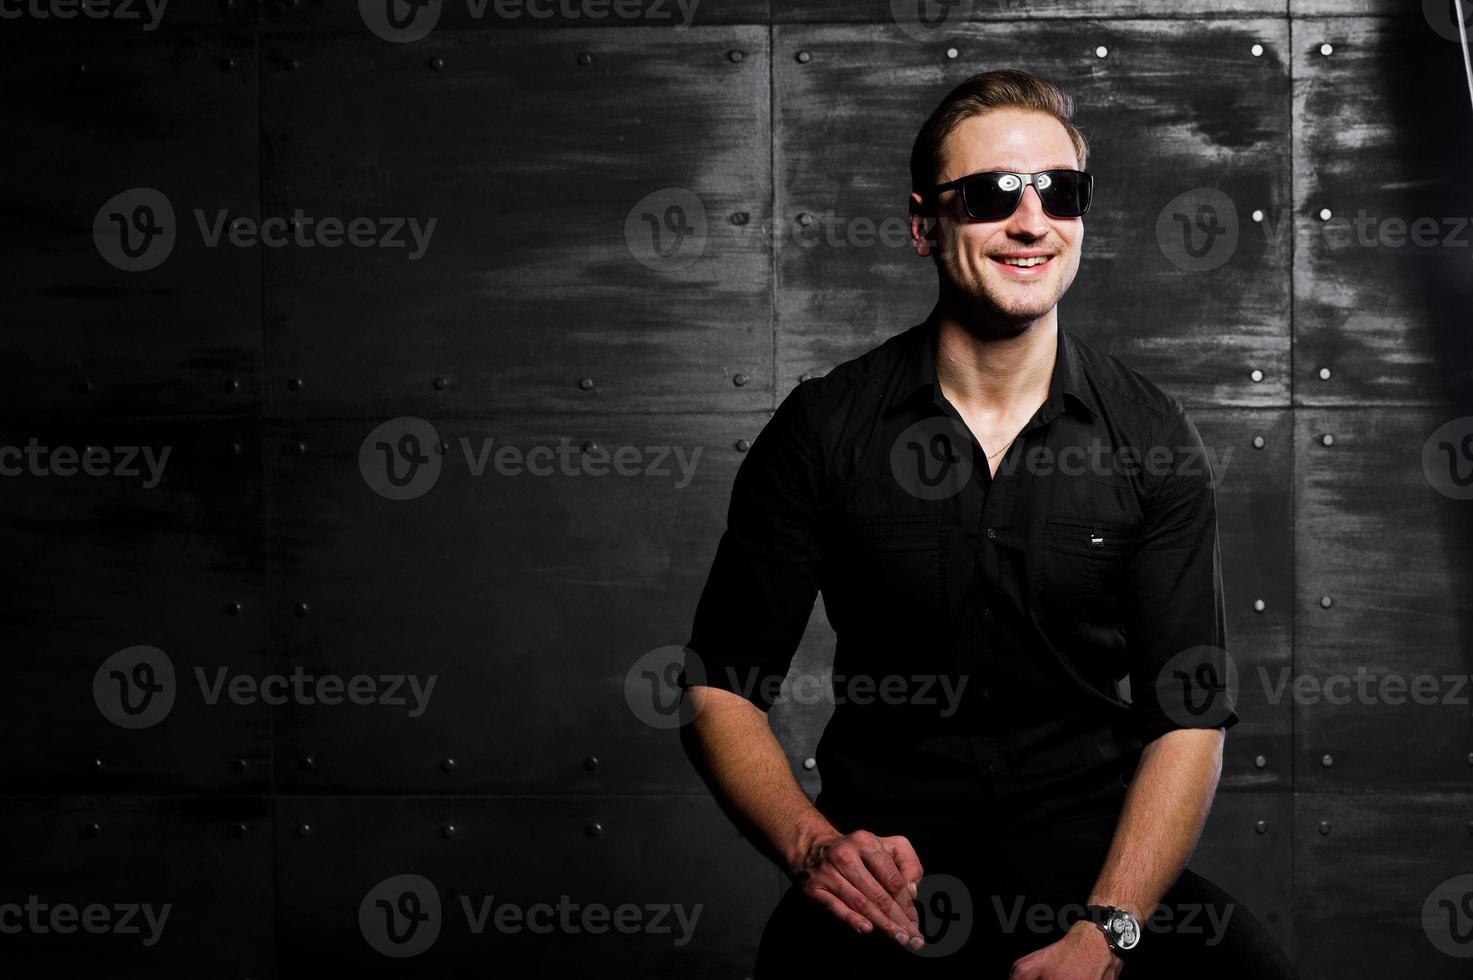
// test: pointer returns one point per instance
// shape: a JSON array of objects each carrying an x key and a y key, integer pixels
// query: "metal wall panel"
[
  {"x": 420, "y": 23},
  {"x": 1169, "y": 113},
  {"x": 137, "y": 887},
  {"x": 596, "y": 245},
  {"x": 1382, "y": 659},
  {"x": 157, "y": 135},
  {"x": 532, "y": 598},
  {"x": 338, "y": 859},
  {"x": 1378, "y": 881},
  {"x": 161, "y": 546},
  {"x": 1382, "y": 286},
  {"x": 1247, "y": 849},
  {"x": 935, "y": 19}
]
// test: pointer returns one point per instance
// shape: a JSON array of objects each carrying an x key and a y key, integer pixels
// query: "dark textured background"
[{"x": 532, "y": 319}]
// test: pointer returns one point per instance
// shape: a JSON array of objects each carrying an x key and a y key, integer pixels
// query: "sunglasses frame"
[{"x": 1025, "y": 179}]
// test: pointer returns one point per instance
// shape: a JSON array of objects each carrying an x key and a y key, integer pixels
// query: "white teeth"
[{"x": 1026, "y": 263}]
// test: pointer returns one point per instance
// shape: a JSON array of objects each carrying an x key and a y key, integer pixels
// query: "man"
[{"x": 1006, "y": 525}]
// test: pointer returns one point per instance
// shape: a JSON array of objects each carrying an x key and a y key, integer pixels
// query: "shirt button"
[
  {"x": 986, "y": 612},
  {"x": 991, "y": 533},
  {"x": 986, "y": 696}
]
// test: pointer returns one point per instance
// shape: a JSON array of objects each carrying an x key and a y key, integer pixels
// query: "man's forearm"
[
  {"x": 1161, "y": 821},
  {"x": 731, "y": 744}
]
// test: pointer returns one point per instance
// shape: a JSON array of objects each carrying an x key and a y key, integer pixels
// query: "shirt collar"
[{"x": 917, "y": 374}]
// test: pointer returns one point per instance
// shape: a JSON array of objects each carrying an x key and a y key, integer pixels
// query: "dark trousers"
[{"x": 989, "y": 899}]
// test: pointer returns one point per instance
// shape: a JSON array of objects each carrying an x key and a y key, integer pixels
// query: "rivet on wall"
[
  {"x": 952, "y": 53},
  {"x": 441, "y": 384},
  {"x": 1257, "y": 50},
  {"x": 1326, "y": 602},
  {"x": 239, "y": 830},
  {"x": 585, "y": 383},
  {"x": 448, "y": 765},
  {"x": 1259, "y": 605},
  {"x": 1324, "y": 828},
  {"x": 1261, "y": 827},
  {"x": 97, "y": 765},
  {"x": 301, "y": 608},
  {"x": 739, "y": 380},
  {"x": 1327, "y": 760},
  {"x": 447, "y": 831},
  {"x": 810, "y": 763},
  {"x": 232, "y": 386},
  {"x": 93, "y": 829},
  {"x": 295, "y": 384},
  {"x": 588, "y": 446},
  {"x": 735, "y": 57},
  {"x": 584, "y": 58},
  {"x": 590, "y": 763},
  {"x": 1256, "y": 375},
  {"x": 1327, "y": 439},
  {"x": 805, "y": 219},
  {"x": 595, "y": 829},
  {"x": 303, "y": 829},
  {"x": 442, "y": 447},
  {"x": 233, "y": 608},
  {"x": 805, "y": 376},
  {"x": 1257, "y": 215},
  {"x": 804, "y": 57},
  {"x": 1260, "y": 762},
  {"x": 742, "y": 445},
  {"x": 1324, "y": 374},
  {"x": 1258, "y": 442},
  {"x": 1327, "y": 49},
  {"x": 436, "y": 63},
  {"x": 290, "y": 64},
  {"x": 739, "y": 218},
  {"x": 239, "y": 765},
  {"x": 1102, "y": 51},
  {"x": 1326, "y": 214},
  {"x": 227, "y": 64},
  {"x": 308, "y": 762}
]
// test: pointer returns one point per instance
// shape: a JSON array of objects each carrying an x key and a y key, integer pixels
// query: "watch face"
[{"x": 1125, "y": 930}]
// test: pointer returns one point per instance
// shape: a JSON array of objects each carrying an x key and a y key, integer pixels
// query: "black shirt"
[{"x": 989, "y": 627}]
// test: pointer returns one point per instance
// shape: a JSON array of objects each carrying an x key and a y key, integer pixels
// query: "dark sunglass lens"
[
  {"x": 1067, "y": 194},
  {"x": 990, "y": 196}
]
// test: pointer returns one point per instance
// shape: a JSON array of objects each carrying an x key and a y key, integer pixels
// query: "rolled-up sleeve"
[
  {"x": 766, "y": 574},
  {"x": 1173, "y": 609}
]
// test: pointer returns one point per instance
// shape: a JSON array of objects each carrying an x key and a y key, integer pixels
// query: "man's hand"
[
  {"x": 869, "y": 882},
  {"x": 1083, "y": 954}
]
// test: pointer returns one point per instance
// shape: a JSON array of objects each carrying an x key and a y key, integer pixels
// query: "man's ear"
[{"x": 922, "y": 226}]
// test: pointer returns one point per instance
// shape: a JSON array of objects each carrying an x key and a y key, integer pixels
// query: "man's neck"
[{"x": 992, "y": 370}]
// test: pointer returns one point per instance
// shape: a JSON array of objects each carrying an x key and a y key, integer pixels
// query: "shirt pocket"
[
  {"x": 1083, "y": 559},
  {"x": 891, "y": 564}
]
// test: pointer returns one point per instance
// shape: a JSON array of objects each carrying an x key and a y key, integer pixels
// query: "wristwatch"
[{"x": 1121, "y": 929}]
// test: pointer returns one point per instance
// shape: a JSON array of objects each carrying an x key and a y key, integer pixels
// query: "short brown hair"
[{"x": 1002, "y": 88}]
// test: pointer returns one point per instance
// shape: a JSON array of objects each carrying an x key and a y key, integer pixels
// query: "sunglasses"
[{"x": 997, "y": 194}]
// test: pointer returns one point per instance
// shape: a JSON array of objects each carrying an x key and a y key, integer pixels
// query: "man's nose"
[{"x": 1030, "y": 217}]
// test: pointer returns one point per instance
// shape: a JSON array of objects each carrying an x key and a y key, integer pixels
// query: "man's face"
[{"x": 971, "y": 251}]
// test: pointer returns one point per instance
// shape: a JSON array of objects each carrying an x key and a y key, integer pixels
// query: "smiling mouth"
[{"x": 1024, "y": 267}]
